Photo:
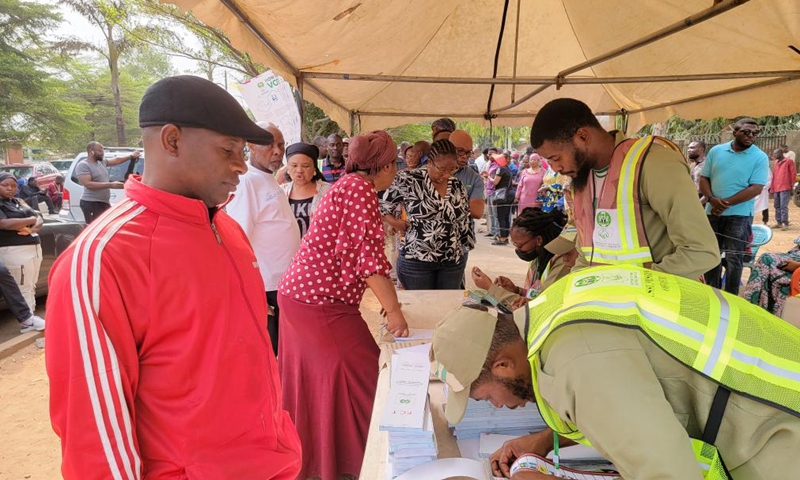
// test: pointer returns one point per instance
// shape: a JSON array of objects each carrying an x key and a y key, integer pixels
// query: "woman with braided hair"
[
  {"x": 437, "y": 230},
  {"x": 540, "y": 238}
]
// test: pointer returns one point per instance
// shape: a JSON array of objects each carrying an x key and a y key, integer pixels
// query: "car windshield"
[
  {"x": 18, "y": 171},
  {"x": 118, "y": 173},
  {"x": 62, "y": 164}
]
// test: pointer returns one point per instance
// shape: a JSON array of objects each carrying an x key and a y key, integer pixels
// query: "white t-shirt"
[
  {"x": 260, "y": 206},
  {"x": 481, "y": 163}
]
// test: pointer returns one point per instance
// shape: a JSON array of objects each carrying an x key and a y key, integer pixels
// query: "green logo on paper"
[
  {"x": 603, "y": 219},
  {"x": 586, "y": 281},
  {"x": 405, "y": 400}
]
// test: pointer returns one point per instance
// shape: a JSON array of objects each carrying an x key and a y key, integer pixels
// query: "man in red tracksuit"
[{"x": 157, "y": 351}]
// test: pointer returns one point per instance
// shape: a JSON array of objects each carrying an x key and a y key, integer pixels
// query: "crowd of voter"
[{"x": 208, "y": 325}]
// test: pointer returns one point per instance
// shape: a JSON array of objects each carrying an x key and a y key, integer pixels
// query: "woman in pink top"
[{"x": 530, "y": 180}]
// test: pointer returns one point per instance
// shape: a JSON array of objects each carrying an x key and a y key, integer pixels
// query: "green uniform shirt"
[
  {"x": 675, "y": 223},
  {"x": 638, "y": 407}
]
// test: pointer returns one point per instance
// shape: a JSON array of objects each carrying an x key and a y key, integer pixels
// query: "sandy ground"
[{"x": 30, "y": 450}]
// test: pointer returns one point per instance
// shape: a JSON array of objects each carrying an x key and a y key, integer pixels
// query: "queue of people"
[{"x": 207, "y": 336}]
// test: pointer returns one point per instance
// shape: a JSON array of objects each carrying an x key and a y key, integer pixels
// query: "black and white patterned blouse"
[{"x": 438, "y": 227}]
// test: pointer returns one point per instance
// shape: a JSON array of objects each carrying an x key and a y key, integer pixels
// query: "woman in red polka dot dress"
[{"x": 327, "y": 356}]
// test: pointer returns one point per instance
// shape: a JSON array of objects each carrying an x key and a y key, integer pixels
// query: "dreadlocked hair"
[
  {"x": 536, "y": 222},
  {"x": 442, "y": 147}
]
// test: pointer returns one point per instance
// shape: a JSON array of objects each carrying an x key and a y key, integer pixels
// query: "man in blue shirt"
[
  {"x": 467, "y": 176},
  {"x": 733, "y": 175}
]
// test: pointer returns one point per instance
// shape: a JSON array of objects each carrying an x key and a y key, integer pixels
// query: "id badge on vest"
[{"x": 606, "y": 235}]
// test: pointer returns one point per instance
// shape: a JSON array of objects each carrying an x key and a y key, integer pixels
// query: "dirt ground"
[{"x": 30, "y": 450}]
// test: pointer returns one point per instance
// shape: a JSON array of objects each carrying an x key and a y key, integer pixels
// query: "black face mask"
[{"x": 527, "y": 256}]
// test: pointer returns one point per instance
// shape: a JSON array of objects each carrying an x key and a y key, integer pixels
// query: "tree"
[
  {"x": 216, "y": 51},
  {"x": 109, "y": 15},
  {"x": 23, "y": 83}
]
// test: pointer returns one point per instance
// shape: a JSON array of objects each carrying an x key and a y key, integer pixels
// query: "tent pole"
[
  {"x": 516, "y": 50},
  {"x": 475, "y": 116},
  {"x": 751, "y": 86},
  {"x": 356, "y": 77},
  {"x": 301, "y": 107},
  {"x": 230, "y": 5},
  {"x": 521, "y": 100},
  {"x": 718, "y": 8}
]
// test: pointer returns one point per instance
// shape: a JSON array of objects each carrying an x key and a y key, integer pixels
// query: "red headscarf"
[{"x": 369, "y": 152}]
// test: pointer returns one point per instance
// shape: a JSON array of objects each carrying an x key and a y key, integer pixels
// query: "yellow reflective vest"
[
  {"x": 611, "y": 232},
  {"x": 740, "y": 346}
]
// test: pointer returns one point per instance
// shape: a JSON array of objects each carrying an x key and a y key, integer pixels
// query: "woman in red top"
[{"x": 327, "y": 356}]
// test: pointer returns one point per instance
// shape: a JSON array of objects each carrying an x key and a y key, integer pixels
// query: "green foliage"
[
  {"x": 677, "y": 127},
  {"x": 410, "y": 133},
  {"x": 482, "y": 137},
  {"x": 315, "y": 123},
  {"x": 23, "y": 83}
]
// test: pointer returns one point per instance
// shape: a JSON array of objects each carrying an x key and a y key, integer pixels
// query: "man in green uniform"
[{"x": 664, "y": 376}]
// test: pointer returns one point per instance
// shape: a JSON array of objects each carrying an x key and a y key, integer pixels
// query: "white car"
[{"x": 73, "y": 190}]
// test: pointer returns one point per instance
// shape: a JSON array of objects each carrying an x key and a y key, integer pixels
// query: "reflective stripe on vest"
[
  {"x": 721, "y": 336},
  {"x": 633, "y": 250}
]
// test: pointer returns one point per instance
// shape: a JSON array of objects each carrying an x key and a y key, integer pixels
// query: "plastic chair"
[
  {"x": 762, "y": 235},
  {"x": 795, "y": 283}
]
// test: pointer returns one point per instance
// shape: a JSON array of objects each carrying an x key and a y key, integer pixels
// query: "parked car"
[
  {"x": 73, "y": 190},
  {"x": 62, "y": 164},
  {"x": 56, "y": 234},
  {"x": 45, "y": 172}
]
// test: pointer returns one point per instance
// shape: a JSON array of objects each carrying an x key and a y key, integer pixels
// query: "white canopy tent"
[{"x": 381, "y": 63}]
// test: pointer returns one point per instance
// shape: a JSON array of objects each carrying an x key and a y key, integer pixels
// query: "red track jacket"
[{"x": 159, "y": 361}]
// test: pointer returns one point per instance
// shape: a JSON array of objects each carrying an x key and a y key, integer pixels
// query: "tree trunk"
[{"x": 113, "y": 65}]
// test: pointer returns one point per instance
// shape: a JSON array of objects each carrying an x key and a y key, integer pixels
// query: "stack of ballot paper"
[
  {"x": 483, "y": 417},
  {"x": 407, "y": 416}
]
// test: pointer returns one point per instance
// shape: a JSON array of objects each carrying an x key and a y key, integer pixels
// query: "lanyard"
[{"x": 556, "y": 458}]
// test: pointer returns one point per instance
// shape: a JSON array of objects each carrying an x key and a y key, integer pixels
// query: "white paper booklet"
[{"x": 408, "y": 393}]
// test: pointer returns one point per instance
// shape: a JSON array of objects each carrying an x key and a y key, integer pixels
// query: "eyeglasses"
[
  {"x": 449, "y": 172},
  {"x": 523, "y": 244},
  {"x": 749, "y": 133},
  {"x": 463, "y": 153}
]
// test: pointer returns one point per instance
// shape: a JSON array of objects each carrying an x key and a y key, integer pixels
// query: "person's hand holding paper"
[{"x": 537, "y": 443}]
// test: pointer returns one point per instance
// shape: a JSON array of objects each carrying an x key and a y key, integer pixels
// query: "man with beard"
[
  {"x": 92, "y": 174},
  {"x": 633, "y": 199},
  {"x": 613, "y": 357},
  {"x": 733, "y": 176},
  {"x": 696, "y": 151},
  {"x": 262, "y": 209},
  {"x": 333, "y": 164}
]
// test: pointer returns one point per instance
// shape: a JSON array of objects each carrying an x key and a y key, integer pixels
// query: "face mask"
[{"x": 527, "y": 256}]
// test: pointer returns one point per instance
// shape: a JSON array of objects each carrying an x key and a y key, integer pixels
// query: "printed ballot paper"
[{"x": 407, "y": 416}]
